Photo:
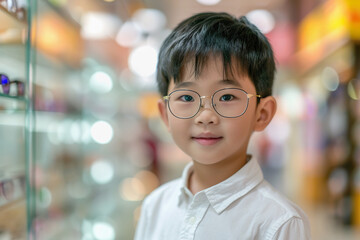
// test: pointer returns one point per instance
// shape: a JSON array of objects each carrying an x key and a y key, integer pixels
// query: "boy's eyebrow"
[
  {"x": 184, "y": 85},
  {"x": 223, "y": 82},
  {"x": 230, "y": 82}
]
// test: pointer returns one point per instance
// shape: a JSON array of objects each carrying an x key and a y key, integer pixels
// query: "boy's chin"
[{"x": 206, "y": 161}]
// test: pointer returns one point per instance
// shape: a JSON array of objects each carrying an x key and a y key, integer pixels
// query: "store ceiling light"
[
  {"x": 103, "y": 231},
  {"x": 150, "y": 20},
  {"x": 208, "y": 2},
  {"x": 101, "y": 132},
  {"x": 129, "y": 34},
  {"x": 262, "y": 19},
  {"x": 330, "y": 79},
  {"x": 97, "y": 25},
  {"x": 101, "y": 82},
  {"x": 292, "y": 101},
  {"x": 102, "y": 171},
  {"x": 143, "y": 61}
]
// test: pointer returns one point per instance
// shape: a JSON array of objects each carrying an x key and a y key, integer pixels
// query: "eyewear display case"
[
  {"x": 40, "y": 65},
  {"x": 75, "y": 160},
  {"x": 14, "y": 105}
]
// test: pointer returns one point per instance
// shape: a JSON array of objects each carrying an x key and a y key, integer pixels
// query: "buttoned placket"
[{"x": 194, "y": 214}]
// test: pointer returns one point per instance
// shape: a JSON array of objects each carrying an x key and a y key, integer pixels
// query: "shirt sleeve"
[{"x": 295, "y": 229}]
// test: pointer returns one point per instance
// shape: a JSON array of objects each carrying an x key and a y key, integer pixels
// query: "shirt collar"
[
  {"x": 184, "y": 190},
  {"x": 223, "y": 194}
]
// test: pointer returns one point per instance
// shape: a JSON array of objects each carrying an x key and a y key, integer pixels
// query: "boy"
[{"x": 216, "y": 74}]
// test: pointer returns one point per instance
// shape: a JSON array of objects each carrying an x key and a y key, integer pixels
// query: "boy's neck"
[{"x": 205, "y": 176}]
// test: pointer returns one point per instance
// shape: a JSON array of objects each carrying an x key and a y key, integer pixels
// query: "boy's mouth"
[{"x": 207, "y": 139}]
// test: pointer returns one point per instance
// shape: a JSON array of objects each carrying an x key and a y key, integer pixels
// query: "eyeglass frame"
[
  {"x": 19, "y": 85},
  {"x": 248, "y": 96},
  {"x": 12, "y": 189}
]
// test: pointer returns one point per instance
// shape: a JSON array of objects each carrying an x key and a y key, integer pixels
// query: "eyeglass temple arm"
[{"x": 252, "y": 95}]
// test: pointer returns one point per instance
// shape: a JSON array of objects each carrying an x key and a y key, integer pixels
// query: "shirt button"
[{"x": 192, "y": 220}]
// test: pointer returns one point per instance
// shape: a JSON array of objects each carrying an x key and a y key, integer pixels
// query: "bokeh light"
[
  {"x": 102, "y": 171},
  {"x": 99, "y": 25},
  {"x": 129, "y": 34},
  {"x": 330, "y": 78},
  {"x": 208, "y": 2},
  {"x": 101, "y": 132},
  {"x": 143, "y": 61},
  {"x": 132, "y": 189},
  {"x": 101, "y": 82},
  {"x": 44, "y": 197},
  {"x": 353, "y": 89},
  {"x": 103, "y": 231},
  {"x": 263, "y": 19},
  {"x": 149, "y": 20},
  {"x": 292, "y": 102}
]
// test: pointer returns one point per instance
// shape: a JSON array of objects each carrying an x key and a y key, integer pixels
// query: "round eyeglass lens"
[
  {"x": 230, "y": 102},
  {"x": 184, "y": 103}
]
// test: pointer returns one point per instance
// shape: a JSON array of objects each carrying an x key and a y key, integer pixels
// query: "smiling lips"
[{"x": 207, "y": 139}]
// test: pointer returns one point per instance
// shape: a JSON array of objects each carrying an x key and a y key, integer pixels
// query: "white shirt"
[{"x": 244, "y": 206}]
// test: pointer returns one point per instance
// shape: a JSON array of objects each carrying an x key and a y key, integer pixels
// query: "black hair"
[{"x": 218, "y": 34}]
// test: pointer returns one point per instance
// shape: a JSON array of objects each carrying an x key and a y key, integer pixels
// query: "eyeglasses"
[
  {"x": 227, "y": 102},
  {"x": 11, "y": 189},
  {"x": 6, "y": 84},
  {"x": 15, "y": 7}
]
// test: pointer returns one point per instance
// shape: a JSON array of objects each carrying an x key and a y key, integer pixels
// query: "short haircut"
[{"x": 238, "y": 42}]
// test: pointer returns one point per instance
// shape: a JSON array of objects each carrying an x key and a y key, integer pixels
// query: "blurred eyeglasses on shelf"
[
  {"x": 11, "y": 87},
  {"x": 227, "y": 102},
  {"x": 15, "y": 7},
  {"x": 11, "y": 189}
]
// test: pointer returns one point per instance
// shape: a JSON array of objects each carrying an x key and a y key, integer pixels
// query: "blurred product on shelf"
[
  {"x": 11, "y": 87},
  {"x": 11, "y": 189},
  {"x": 16, "y": 8}
]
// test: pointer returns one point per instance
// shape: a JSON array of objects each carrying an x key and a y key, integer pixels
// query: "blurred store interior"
[{"x": 81, "y": 140}]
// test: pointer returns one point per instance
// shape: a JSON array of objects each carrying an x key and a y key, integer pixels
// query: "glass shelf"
[
  {"x": 21, "y": 98},
  {"x": 13, "y": 121}
]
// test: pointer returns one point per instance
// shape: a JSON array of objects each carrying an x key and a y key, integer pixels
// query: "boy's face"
[{"x": 209, "y": 138}]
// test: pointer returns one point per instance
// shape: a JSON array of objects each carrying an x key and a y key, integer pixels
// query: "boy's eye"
[
  {"x": 227, "y": 97},
  {"x": 186, "y": 98}
]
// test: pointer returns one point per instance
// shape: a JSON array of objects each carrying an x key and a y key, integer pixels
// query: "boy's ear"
[
  {"x": 163, "y": 112},
  {"x": 266, "y": 110}
]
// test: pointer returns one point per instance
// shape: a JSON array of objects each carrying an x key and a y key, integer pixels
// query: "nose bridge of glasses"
[{"x": 202, "y": 101}]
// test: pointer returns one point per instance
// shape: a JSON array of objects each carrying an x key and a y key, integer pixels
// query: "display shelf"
[
  {"x": 18, "y": 98},
  {"x": 11, "y": 104},
  {"x": 44, "y": 120},
  {"x": 13, "y": 117}
]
